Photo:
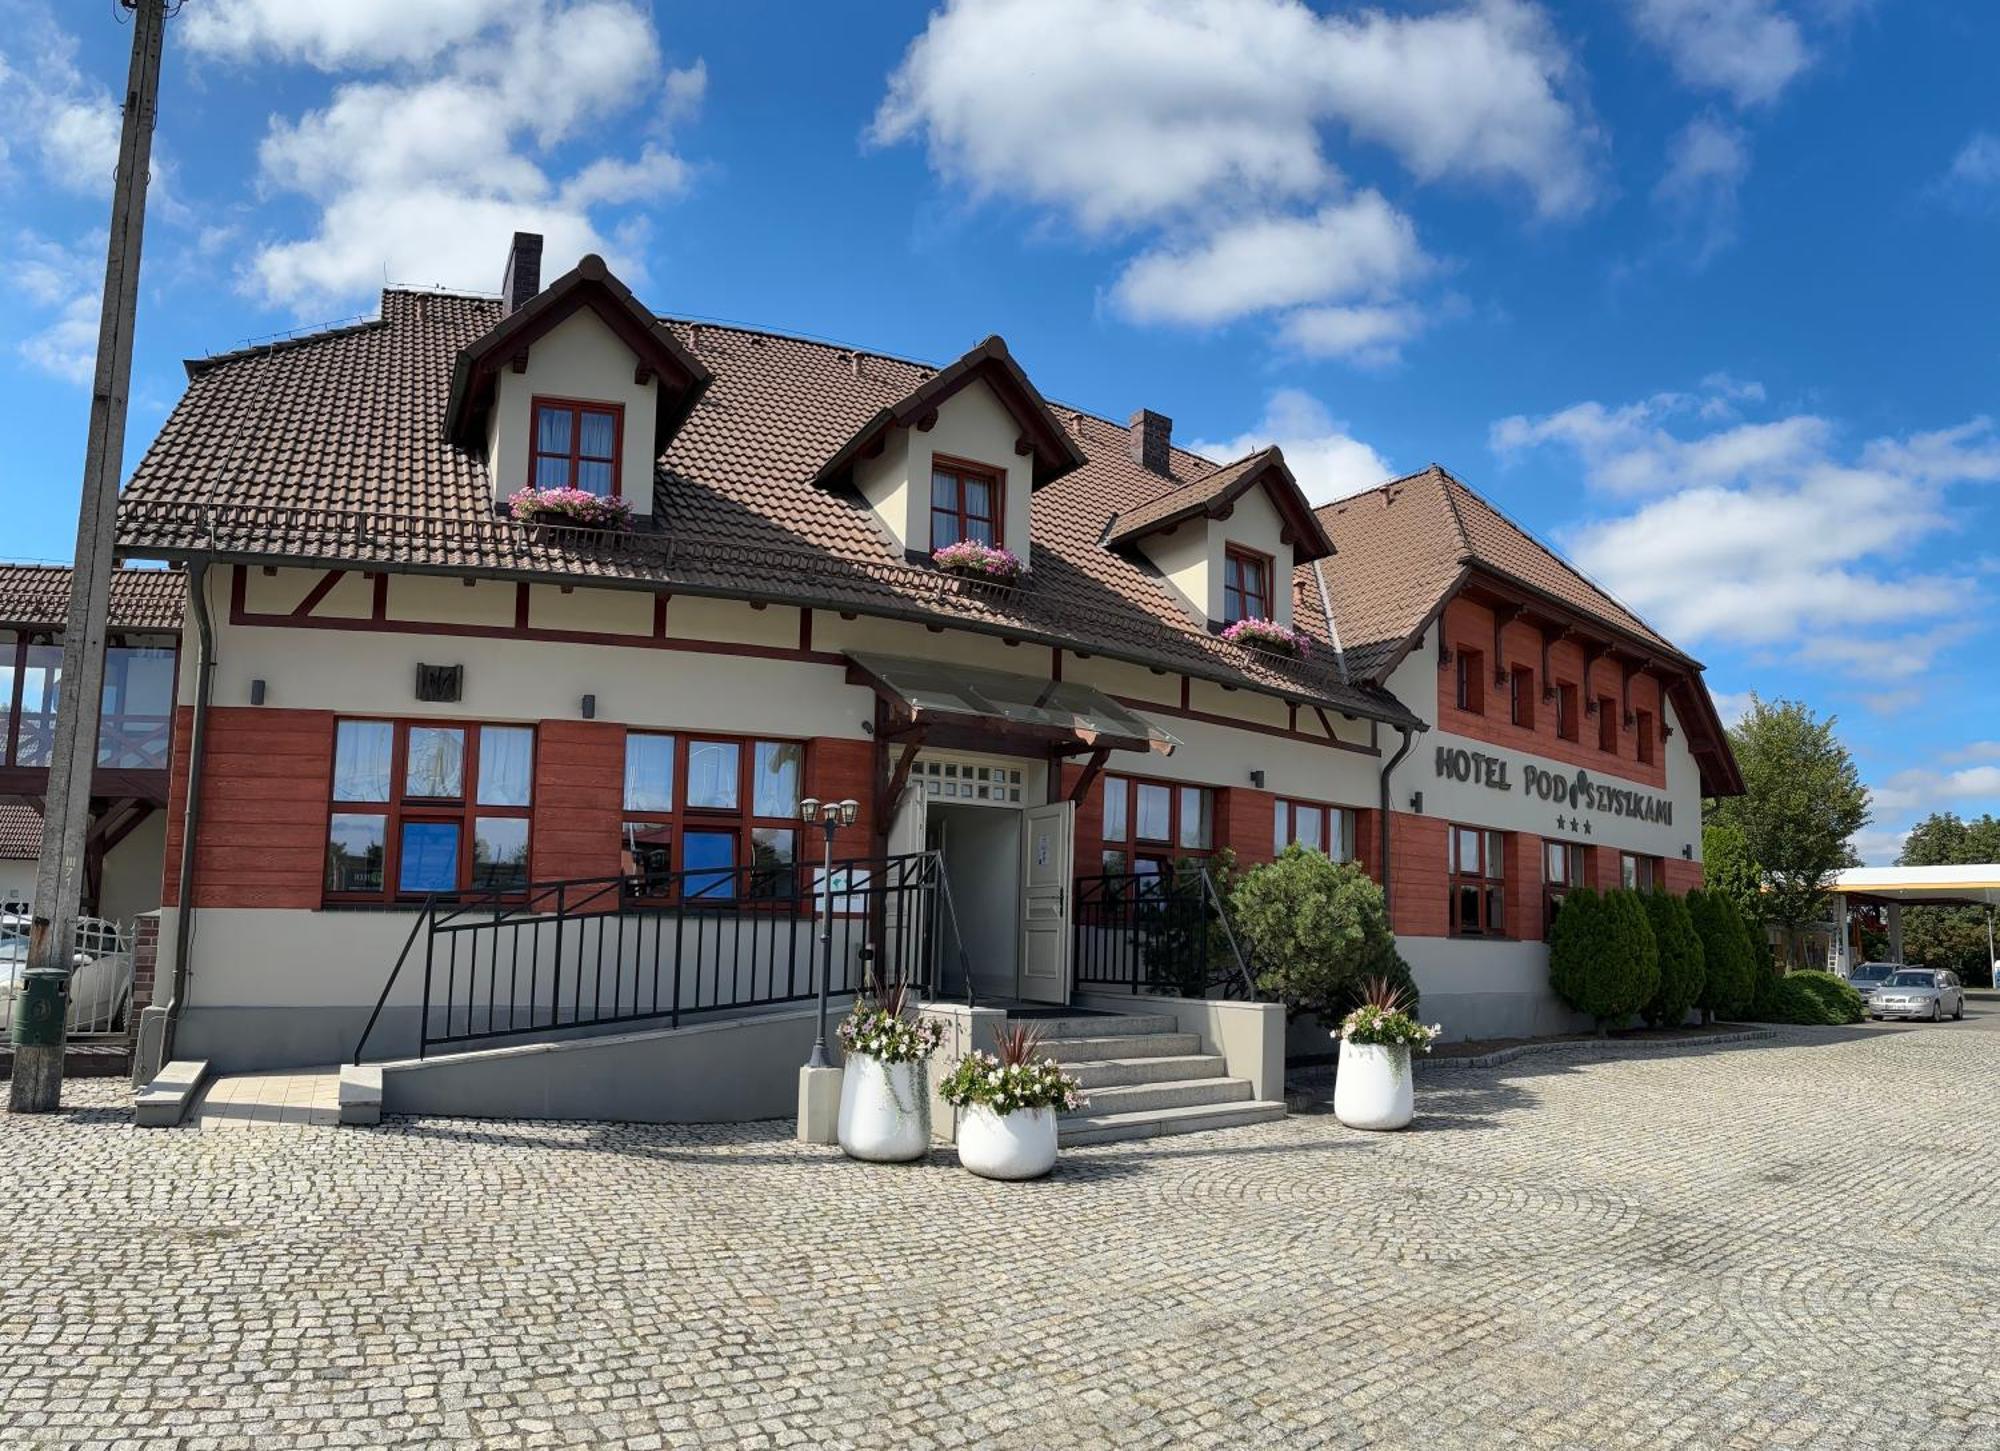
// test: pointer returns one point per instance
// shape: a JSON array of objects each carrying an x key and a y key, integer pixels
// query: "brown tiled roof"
[
  {"x": 37, "y": 595},
  {"x": 1403, "y": 546},
  {"x": 1214, "y": 493},
  {"x": 333, "y": 448},
  {"x": 20, "y": 833}
]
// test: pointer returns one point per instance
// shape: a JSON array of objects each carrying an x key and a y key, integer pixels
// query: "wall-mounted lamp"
[
  {"x": 590, "y": 707},
  {"x": 1687, "y": 851},
  {"x": 1590, "y": 706},
  {"x": 256, "y": 692},
  {"x": 1257, "y": 779},
  {"x": 1666, "y": 731},
  {"x": 1417, "y": 802}
]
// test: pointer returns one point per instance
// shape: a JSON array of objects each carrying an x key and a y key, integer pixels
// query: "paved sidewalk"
[
  {"x": 1787, "y": 1244},
  {"x": 270, "y": 1100}
]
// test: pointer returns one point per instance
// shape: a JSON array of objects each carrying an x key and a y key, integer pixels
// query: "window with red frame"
[
  {"x": 1643, "y": 729},
  {"x": 1521, "y": 697},
  {"x": 1471, "y": 693},
  {"x": 1478, "y": 882},
  {"x": 1246, "y": 586},
  {"x": 1638, "y": 873},
  {"x": 1326, "y": 829},
  {"x": 1568, "y": 727},
  {"x": 967, "y": 502},
  {"x": 1607, "y": 724},
  {"x": 575, "y": 446},
  {"x": 711, "y": 818},
  {"x": 1562, "y": 864},
  {"x": 428, "y": 806},
  {"x": 1149, "y": 825}
]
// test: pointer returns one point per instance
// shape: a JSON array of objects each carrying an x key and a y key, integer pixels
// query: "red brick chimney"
[
  {"x": 1152, "y": 441},
  {"x": 523, "y": 278}
]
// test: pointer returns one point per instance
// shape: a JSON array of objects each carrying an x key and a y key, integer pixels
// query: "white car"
[{"x": 100, "y": 984}]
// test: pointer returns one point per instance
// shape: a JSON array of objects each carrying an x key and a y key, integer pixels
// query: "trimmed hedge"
[
  {"x": 1319, "y": 929},
  {"x": 1682, "y": 965},
  {"x": 1815, "y": 999},
  {"x": 1729, "y": 958},
  {"x": 1602, "y": 957}
]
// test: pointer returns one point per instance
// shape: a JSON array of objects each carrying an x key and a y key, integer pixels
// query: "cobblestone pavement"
[{"x": 1789, "y": 1244}]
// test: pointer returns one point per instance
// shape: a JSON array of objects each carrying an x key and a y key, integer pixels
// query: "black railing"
[
  {"x": 1165, "y": 933},
  {"x": 603, "y": 951}
]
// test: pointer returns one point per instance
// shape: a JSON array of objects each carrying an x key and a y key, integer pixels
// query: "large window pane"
[
  {"x": 1194, "y": 817},
  {"x": 710, "y": 865},
  {"x": 428, "y": 857},
  {"x": 1305, "y": 827},
  {"x": 40, "y": 688},
  {"x": 362, "y": 752},
  {"x": 649, "y": 773},
  {"x": 552, "y": 473},
  {"x": 713, "y": 775},
  {"x": 435, "y": 769},
  {"x": 354, "y": 852},
  {"x": 649, "y": 855},
  {"x": 775, "y": 785},
  {"x": 1115, "y": 792},
  {"x": 552, "y": 430},
  {"x": 1155, "y": 808},
  {"x": 1340, "y": 845},
  {"x": 506, "y": 765},
  {"x": 595, "y": 440},
  {"x": 500, "y": 854},
  {"x": 1281, "y": 827},
  {"x": 137, "y": 717},
  {"x": 772, "y": 852}
]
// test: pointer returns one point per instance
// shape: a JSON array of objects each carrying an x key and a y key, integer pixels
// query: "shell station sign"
[{"x": 1576, "y": 791}]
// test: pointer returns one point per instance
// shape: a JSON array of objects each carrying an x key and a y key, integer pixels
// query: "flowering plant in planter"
[
  {"x": 885, "y": 1096},
  {"x": 1372, "y": 1089},
  {"x": 876, "y": 1028},
  {"x": 1008, "y": 1103},
  {"x": 1261, "y": 634},
  {"x": 573, "y": 508},
  {"x": 979, "y": 561}
]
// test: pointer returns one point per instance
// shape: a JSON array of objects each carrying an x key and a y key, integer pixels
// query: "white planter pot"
[
  {"x": 885, "y": 1110},
  {"x": 1017, "y": 1145},
  {"x": 1373, "y": 1088}
]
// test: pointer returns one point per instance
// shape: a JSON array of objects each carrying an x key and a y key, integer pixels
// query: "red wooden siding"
[{"x": 265, "y": 785}]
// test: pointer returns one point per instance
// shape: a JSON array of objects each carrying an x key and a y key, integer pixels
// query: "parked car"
[
  {"x": 100, "y": 984},
  {"x": 1871, "y": 975},
  {"x": 1918, "y": 992}
]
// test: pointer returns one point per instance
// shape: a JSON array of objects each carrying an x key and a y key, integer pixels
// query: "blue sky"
[{"x": 1702, "y": 290}]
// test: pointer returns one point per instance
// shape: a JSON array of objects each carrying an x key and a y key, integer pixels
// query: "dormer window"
[
  {"x": 968, "y": 501},
  {"x": 576, "y": 446},
  {"x": 1246, "y": 586}
]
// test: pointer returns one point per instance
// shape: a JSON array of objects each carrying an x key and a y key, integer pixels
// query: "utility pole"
[{"x": 41, "y": 1011}]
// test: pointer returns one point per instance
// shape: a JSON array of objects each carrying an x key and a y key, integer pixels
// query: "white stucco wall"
[
  {"x": 17, "y": 881},
  {"x": 1190, "y": 556},
  {"x": 131, "y": 873},
  {"x": 972, "y": 425},
  {"x": 582, "y": 360}
]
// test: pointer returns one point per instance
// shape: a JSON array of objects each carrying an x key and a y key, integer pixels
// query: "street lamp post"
[{"x": 829, "y": 816}]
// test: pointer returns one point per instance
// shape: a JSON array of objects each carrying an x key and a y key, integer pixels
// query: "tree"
[
  {"x": 1602, "y": 958},
  {"x": 1802, "y": 800},
  {"x": 1726, "y": 867},
  {"x": 1949, "y": 937},
  {"x": 1729, "y": 963},
  {"x": 1319, "y": 929},
  {"x": 1683, "y": 966}
]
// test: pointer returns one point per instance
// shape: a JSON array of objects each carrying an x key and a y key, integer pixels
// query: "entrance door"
[{"x": 1045, "y": 882}]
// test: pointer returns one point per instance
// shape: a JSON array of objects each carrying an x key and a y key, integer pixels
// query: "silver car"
[{"x": 1918, "y": 992}]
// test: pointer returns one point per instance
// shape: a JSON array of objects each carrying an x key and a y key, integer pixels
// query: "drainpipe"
[
  {"x": 1409, "y": 739},
  {"x": 191, "y": 810}
]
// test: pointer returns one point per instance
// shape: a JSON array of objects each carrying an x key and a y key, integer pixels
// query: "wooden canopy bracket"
[
  {"x": 1503, "y": 616},
  {"x": 1090, "y": 769},
  {"x": 900, "y": 776}
]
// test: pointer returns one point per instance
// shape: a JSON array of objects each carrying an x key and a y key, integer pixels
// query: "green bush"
[
  {"x": 1729, "y": 962},
  {"x": 1318, "y": 929},
  {"x": 1816, "y": 999},
  {"x": 1602, "y": 957},
  {"x": 1683, "y": 968}
]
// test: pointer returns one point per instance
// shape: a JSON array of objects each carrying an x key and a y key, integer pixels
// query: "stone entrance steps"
[{"x": 1145, "y": 1077}]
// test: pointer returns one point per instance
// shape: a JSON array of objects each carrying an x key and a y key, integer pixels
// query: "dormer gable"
[
  {"x": 579, "y": 385},
  {"x": 960, "y": 455},
  {"x": 1227, "y": 544}
]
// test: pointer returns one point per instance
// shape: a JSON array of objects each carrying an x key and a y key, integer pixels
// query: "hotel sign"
[{"x": 1578, "y": 791}]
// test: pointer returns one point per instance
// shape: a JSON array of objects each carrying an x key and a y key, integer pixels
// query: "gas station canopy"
[{"x": 1964, "y": 886}]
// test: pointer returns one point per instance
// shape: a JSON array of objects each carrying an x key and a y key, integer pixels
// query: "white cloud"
[
  {"x": 1924, "y": 789},
  {"x": 1328, "y": 462},
  {"x": 1707, "y": 162},
  {"x": 1974, "y": 174},
  {"x": 421, "y": 171},
  {"x": 1879, "y": 846},
  {"x": 66, "y": 121},
  {"x": 1206, "y": 128},
  {"x": 62, "y": 290},
  {"x": 1749, "y": 50},
  {"x": 1360, "y": 247},
  {"x": 1732, "y": 706}
]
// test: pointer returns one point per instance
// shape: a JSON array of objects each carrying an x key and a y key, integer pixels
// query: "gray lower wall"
[{"x": 727, "y": 1072}]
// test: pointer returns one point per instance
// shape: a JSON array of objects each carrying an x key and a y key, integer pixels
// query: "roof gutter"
[{"x": 191, "y": 811}]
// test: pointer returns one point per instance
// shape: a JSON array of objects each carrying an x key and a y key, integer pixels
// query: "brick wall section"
[
  {"x": 145, "y": 969},
  {"x": 1419, "y": 876},
  {"x": 1089, "y": 858},
  {"x": 1243, "y": 824},
  {"x": 839, "y": 770},
  {"x": 1524, "y": 886},
  {"x": 266, "y": 783},
  {"x": 1368, "y": 841},
  {"x": 1471, "y": 625},
  {"x": 1680, "y": 876},
  {"x": 579, "y": 809}
]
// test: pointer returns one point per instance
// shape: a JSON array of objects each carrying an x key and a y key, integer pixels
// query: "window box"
[
  {"x": 1268, "y": 636},
  {"x": 975, "y": 560},
  {"x": 570, "y": 509}
]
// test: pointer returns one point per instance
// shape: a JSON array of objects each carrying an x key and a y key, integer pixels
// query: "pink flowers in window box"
[
  {"x": 1258, "y": 634},
  {"x": 570, "y": 508},
  {"x": 979, "y": 561}
]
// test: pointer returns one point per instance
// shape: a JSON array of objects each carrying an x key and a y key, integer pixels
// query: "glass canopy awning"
[{"x": 1058, "y": 711}]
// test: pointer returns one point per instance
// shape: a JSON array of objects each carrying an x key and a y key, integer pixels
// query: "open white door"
[
  {"x": 903, "y": 956},
  {"x": 1045, "y": 888}
]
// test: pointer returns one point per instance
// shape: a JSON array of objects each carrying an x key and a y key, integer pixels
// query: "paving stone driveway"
[{"x": 1786, "y": 1244}]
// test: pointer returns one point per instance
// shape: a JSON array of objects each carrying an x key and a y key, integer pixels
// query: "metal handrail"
[
  {"x": 429, "y": 914},
  {"x": 1229, "y": 931}
]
